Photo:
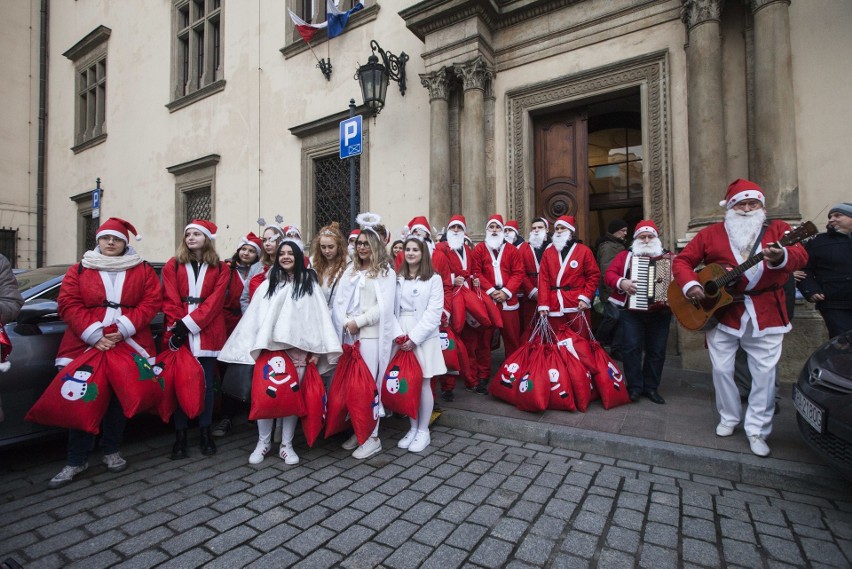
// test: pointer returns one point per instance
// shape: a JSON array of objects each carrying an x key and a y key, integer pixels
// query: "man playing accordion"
[{"x": 645, "y": 324}]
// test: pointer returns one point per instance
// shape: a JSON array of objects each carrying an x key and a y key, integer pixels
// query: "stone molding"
[
  {"x": 437, "y": 83},
  {"x": 695, "y": 12},
  {"x": 92, "y": 40},
  {"x": 756, "y": 5},
  {"x": 650, "y": 73},
  {"x": 474, "y": 74}
]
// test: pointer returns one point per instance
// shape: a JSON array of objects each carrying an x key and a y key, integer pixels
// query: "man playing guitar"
[{"x": 757, "y": 320}]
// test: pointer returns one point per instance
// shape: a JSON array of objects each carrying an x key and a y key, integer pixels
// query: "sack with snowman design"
[
  {"x": 402, "y": 381},
  {"x": 133, "y": 380},
  {"x": 455, "y": 354},
  {"x": 353, "y": 397},
  {"x": 275, "y": 387},
  {"x": 534, "y": 379},
  {"x": 78, "y": 396},
  {"x": 609, "y": 380},
  {"x": 315, "y": 403}
]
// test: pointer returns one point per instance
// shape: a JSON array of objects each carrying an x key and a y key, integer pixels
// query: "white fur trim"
[
  {"x": 112, "y": 232},
  {"x": 561, "y": 223},
  {"x": 743, "y": 195},
  {"x": 201, "y": 228}
]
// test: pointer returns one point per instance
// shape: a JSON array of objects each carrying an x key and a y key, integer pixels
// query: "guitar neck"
[{"x": 738, "y": 271}]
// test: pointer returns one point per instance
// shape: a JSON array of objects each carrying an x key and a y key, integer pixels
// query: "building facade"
[{"x": 599, "y": 109}]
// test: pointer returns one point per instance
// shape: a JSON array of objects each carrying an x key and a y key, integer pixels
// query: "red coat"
[
  {"x": 502, "y": 271},
  {"x": 563, "y": 283},
  {"x": 457, "y": 265},
  {"x": 531, "y": 268},
  {"x": 618, "y": 270},
  {"x": 768, "y": 308},
  {"x": 205, "y": 320},
  {"x": 255, "y": 281},
  {"x": 82, "y": 305}
]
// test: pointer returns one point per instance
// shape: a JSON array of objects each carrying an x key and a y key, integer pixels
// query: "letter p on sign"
[{"x": 350, "y": 137}]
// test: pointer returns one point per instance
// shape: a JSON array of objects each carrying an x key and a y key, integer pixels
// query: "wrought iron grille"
[
  {"x": 197, "y": 204},
  {"x": 90, "y": 231},
  {"x": 331, "y": 191},
  {"x": 9, "y": 245}
]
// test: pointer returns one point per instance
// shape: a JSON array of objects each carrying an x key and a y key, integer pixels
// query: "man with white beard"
[
  {"x": 531, "y": 252},
  {"x": 567, "y": 279},
  {"x": 642, "y": 330},
  {"x": 758, "y": 320},
  {"x": 499, "y": 271}
]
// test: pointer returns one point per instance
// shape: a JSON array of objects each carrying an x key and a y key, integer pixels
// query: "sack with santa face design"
[
  {"x": 275, "y": 387},
  {"x": 133, "y": 380},
  {"x": 608, "y": 379},
  {"x": 78, "y": 396},
  {"x": 315, "y": 403},
  {"x": 504, "y": 384},
  {"x": 548, "y": 362},
  {"x": 182, "y": 378},
  {"x": 533, "y": 380},
  {"x": 353, "y": 398},
  {"x": 577, "y": 355},
  {"x": 401, "y": 383},
  {"x": 454, "y": 352}
]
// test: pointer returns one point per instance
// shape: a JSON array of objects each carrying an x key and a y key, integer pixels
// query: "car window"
[
  {"x": 36, "y": 277},
  {"x": 50, "y": 294}
]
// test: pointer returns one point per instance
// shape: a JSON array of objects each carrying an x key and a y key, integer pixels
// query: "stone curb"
[{"x": 747, "y": 469}]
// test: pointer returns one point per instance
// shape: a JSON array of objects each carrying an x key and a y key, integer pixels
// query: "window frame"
[
  {"x": 293, "y": 42},
  {"x": 197, "y": 32},
  {"x": 189, "y": 177},
  {"x": 90, "y": 96},
  {"x": 83, "y": 201}
]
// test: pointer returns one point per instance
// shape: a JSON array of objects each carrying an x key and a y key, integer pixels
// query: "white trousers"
[
  {"x": 288, "y": 424},
  {"x": 763, "y": 355}
]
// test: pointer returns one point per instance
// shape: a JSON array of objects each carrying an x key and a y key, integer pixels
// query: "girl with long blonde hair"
[{"x": 329, "y": 257}]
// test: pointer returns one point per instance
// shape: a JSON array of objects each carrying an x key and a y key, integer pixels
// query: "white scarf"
[{"x": 95, "y": 260}]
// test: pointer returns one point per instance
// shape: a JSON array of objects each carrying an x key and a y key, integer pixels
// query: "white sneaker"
[
  {"x": 66, "y": 475},
  {"x": 260, "y": 451},
  {"x": 114, "y": 462},
  {"x": 351, "y": 443},
  {"x": 723, "y": 430},
  {"x": 371, "y": 447},
  {"x": 382, "y": 412},
  {"x": 758, "y": 445},
  {"x": 288, "y": 454},
  {"x": 405, "y": 441},
  {"x": 420, "y": 442}
]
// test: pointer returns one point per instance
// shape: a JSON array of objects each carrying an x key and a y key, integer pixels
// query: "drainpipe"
[{"x": 42, "y": 131}]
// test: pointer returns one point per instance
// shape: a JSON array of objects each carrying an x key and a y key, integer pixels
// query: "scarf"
[{"x": 95, "y": 260}]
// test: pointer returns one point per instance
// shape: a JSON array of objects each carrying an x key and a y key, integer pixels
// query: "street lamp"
[{"x": 374, "y": 76}]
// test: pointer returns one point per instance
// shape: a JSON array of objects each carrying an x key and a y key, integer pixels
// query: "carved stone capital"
[
  {"x": 758, "y": 4},
  {"x": 694, "y": 12},
  {"x": 438, "y": 84},
  {"x": 473, "y": 74}
]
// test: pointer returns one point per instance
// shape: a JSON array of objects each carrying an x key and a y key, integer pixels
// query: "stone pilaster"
[
  {"x": 705, "y": 110},
  {"x": 775, "y": 165},
  {"x": 440, "y": 195},
  {"x": 473, "y": 75}
]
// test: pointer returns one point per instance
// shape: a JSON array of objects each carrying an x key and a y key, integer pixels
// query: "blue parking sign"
[{"x": 350, "y": 137}]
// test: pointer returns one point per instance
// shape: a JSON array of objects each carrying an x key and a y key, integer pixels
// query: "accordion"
[{"x": 652, "y": 276}]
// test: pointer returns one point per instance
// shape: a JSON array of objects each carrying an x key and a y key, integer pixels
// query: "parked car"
[
  {"x": 35, "y": 337},
  {"x": 822, "y": 397}
]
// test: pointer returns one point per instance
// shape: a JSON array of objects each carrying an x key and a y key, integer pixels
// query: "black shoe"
[
  {"x": 655, "y": 397},
  {"x": 634, "y": 395},
  {"x": 447, "y": 396},
  {"x": 179, "y": 448},
  {"x": 482, "y": 387},
  {"x": 208, "y": 447}
]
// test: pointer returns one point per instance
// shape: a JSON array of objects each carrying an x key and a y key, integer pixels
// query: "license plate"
[{"x": 810, "y": 411}]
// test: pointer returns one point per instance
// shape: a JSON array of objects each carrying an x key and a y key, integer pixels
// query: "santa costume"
[
  {"x": 531, "y": 257},
  {"x": 238, "y": 281}
]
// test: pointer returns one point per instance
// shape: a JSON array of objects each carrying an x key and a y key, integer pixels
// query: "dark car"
[
  {"x": 823, "y": 400},
  {"x": 35, "y": 337}
]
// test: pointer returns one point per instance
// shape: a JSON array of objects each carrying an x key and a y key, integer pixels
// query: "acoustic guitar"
[{"x": 716, "y": 279}]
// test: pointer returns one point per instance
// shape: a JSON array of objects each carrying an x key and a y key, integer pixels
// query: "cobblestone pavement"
[{"x": 470, "y": 500}]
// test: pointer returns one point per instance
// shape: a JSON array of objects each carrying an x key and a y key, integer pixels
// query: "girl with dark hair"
[
  {"x": 419, "y": 304},
  {"x": 286, "y": 313},
  {"x": 272, "y": 237}
]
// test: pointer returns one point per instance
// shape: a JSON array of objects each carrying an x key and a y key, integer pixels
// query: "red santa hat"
[
  {"x": 253, "y": 240},
  {"x": 646, "y": 226},
  {"x": 544, "y": 221},
  {"x": 117, "y": 227},
  {"x": 513, "y": 224},
  {"x": 354, "y": 234},
  {"x": 291, "y": 230},
  {"x": 496, "y": 218},
  {"x": 420, "y": 222},
  {"x": 208, "y": 228},
  {"x": 458, "y": 220},
  {"x": 740, "y": 190},
  {"x": 565, "y": 221}
]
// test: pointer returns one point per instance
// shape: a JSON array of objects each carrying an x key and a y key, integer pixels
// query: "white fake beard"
[
  {"x": 455, "y": 240},
  {"x": 494, "y": 241},
  {"x": 743, "y": 227},
  {"x": 560, "y": 239},
  {"x": 652, "y": 248},
  {"x": 351, "y": 249},
  {"x": 510, "y": 237},
  {"x": 536, "y": 239}
]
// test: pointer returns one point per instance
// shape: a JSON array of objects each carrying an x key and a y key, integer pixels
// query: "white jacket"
[{"x": 426, "y": 299}]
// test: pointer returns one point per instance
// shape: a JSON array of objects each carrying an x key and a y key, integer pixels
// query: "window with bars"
[
  {"x": 198, "y": 45},
  {"x": 197, "y": 204},
  {"x": 90, "y": 225},
  {"x": 9, "y": 245},
  {"x": 331, "y": 191},
  {"x": 90, "y": 62}
]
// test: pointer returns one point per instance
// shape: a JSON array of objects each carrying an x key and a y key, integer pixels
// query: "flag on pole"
[
  {"x": 306, "y": 30},
  {"x": 337, "y": 19}
]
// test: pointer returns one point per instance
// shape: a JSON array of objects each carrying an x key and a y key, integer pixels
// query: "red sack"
[
  {"x": 534, "y": 379},
  {"x": 494, "y": 311},
  {"x": 275, "y": 388},
  {"x": 133, "y": 380},
  {"x": 609, "y": 380},
  {"x": 402, "y": 382},
  {"x": 164, "y": 368},
  {"x": 454, "y": 352},
  {"x": 457, "y": 310},
  {"x": 504, "y": 384},
  {"x": 582, "y": 384},
  {"x": 561, "y": 394},
  {"x": 572, "y": 344},
  {"x": 78, "y": 396},
  {"x": 353, "y": 391},
  {"x": 476, "y": 313},
  {"x": 315, "y": 403},
  {"x": 188, "y": 381}
]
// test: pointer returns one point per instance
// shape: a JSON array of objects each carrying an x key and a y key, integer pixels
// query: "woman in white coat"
[
  {"x": 419, "y": 305},
  {"x": 363, "y": 309}
]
